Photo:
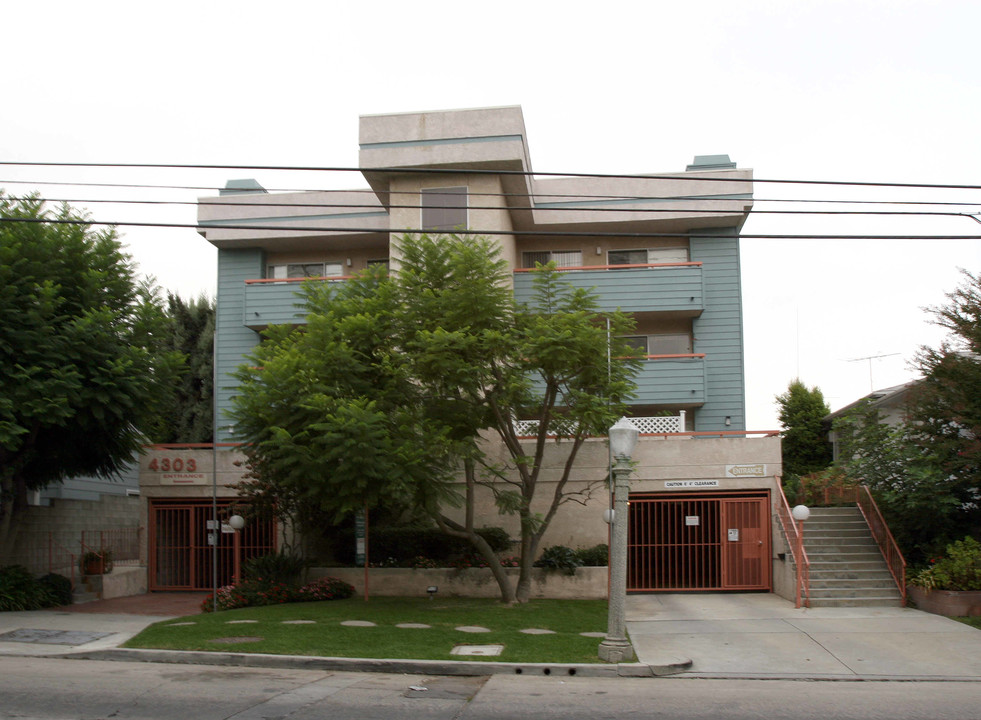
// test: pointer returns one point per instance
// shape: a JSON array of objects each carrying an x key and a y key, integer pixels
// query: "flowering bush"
[
  {"x": 511, "y": 561},
  {"x": 325, "y": 588},
  {"x": 465, "y": 562},
  {"x": 959, "y": 569},
  {"x": 420, "y": 562},
  {"x": 252, "y": 593}
]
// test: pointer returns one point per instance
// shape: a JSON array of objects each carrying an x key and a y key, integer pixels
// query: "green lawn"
[
  {"x": 973, "y": 621},
  {"x": 325, "y": 636}
]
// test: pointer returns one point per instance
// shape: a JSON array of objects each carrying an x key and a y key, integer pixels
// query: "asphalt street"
[{"x": 59, "y": 688}]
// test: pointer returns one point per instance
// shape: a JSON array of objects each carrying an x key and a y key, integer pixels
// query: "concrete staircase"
[
  {"x": 847, "y": 568},
  {"x": 87, "y": 588}
]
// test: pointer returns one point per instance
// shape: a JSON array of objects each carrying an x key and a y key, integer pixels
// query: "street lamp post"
[
  {"x": 237, "y": 522},
  {"x": 615, "y": 646},
  {"x": 800, "y": 513}
]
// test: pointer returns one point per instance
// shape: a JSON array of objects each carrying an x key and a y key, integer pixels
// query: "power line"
[
  {"x": 375, "y": 206},
  {"x": 573, "y": 197},
  {"x": 520, "y": 233},
  {"x": 481, "y": 171}
]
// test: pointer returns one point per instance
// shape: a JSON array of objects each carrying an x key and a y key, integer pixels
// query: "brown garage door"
[
  {"x": 181, "y": 557},
  {"x": 699, "y": 542}
]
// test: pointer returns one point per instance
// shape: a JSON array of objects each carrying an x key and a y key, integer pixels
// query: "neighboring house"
[
  {"x": 675, "y": 267},
  {"x": 890, "y": 403}
]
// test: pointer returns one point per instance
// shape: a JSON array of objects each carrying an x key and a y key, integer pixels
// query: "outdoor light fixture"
[
  {"x": 801, "y": 513},
  {"x": 236, "y": 522},
  {"x": 432, "y": 590},
  {"x": 728, "y": 421},
  {"x": 615, "y": 647},
  {"x": 609, "y": 515},
  {"x": 623, "y": 438}
]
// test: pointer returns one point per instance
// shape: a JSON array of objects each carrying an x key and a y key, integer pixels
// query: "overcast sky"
[{"x": 858, "y": 91}]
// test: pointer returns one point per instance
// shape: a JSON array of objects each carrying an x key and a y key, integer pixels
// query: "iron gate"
[
  {"x": 699, "y": 542},
  {"x": 179, "y": 553}
]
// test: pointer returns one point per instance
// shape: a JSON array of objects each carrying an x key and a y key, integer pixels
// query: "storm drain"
[
  {"x": 52, "y": 637},
  {"x": 477, "y": 650}
]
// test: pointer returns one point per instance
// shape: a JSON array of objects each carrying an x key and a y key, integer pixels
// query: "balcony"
[
  {"x": 274, "y": 302},
  {"x": 674, "y": 287},
  {"x": 671, "y": 380}
]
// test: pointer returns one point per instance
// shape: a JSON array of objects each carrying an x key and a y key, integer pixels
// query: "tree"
[
  {"x": 926, "y": 470},
  {"x": 191, "y": 328},
  {"x": 433, "y": 360},
  {"x": 805, "y": 445},
  {"x": 83, "y": 372}
]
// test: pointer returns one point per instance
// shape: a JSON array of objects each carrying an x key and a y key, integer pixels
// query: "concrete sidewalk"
[
  {"x": 723, "y": 635},
  {"x": 764, "y": 636}
]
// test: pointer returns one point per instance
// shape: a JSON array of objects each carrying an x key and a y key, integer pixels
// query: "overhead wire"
[{"x": 695, "y": 176}]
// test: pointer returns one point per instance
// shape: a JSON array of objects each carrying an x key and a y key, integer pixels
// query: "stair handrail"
[
  {"x": 795, "y": 539},
  {"x": 883, "y": 537}
]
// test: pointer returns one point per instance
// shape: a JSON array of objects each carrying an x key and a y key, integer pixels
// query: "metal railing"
[
  {"x": 795, "y": 539},
  {"x": 887, "y": 543},
  {"x": 54, "y": 552}
]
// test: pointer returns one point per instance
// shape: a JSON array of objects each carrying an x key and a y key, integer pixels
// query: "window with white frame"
[
  {"x": 648, "y": 256},
  {"x": 444, "y": 208},
  {"x": 561, "y": 258}
]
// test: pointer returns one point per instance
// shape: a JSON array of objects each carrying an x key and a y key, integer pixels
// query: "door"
[
  {"x": 181, "y": 557},
  {"x": 746, "y": 544},
  {"x": 699, "y": 542}
]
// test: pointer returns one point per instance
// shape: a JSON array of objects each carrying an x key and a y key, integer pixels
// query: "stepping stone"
[
  {"x": 358, "y": 623},
  {"x": 537, "y": 631},
  {"x": 241, "y": 622},
  {"x": 472, "y": 629},
  {"x": 593, "y": 634},
  {"x": 477, "y": 649},
  {"x": 419, "y": 626},
  {"x": 180, "y": 624},
  {"x": 299, "y": 622}
]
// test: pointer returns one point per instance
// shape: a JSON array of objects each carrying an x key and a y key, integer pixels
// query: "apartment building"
[{"x": 663, "y": 247}]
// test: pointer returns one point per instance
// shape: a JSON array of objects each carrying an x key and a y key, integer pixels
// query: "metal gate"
[
  {"x": 699, "y": 542},
  {"x": 179, "y": 553}
]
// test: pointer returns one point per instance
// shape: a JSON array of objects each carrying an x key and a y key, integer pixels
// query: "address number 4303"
[{"x": 173, "y": 465}]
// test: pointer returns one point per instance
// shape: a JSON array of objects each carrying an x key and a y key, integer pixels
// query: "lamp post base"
[{"x": 616, "y": 650}]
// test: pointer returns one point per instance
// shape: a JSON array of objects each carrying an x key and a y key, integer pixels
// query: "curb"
[{"x": 412, "y": 667}]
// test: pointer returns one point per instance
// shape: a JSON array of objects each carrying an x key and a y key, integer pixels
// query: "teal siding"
[
  {"x": 718, "y": 331},
  {"x": 271, "y": 304},
  {"x": 678, "y": 381},
  {"x": 666, "y": 289},
  {"x": 234, "y": 339}
]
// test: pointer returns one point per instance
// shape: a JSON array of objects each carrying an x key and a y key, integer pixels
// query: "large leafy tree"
[
  {"x": 926, "y": 470},
  {"x": 805, "y": 444},
  {"x": 83, "y": 372},
  {"x": 433, "y": 361},
  {"x": 190, "y": 332}
]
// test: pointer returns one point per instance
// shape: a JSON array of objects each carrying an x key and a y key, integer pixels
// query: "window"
[
  {"x": 664, "y": 344},
  {"x": 304, "y": 270},
  {"x": 383, "y": 262},
  {"x": 444, "y": 208},
  {"x": 648, "y": 256},
  {"x": 561, "y": 258}
]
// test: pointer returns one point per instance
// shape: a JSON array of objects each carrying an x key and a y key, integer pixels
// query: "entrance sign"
[
  {"x": 692, "y": 520},
  {"x": 740, "y": 471}
]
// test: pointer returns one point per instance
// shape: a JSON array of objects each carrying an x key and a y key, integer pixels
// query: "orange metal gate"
[
  {"x": 699, "y": 542},
  {"x": 179, "y": 552}
]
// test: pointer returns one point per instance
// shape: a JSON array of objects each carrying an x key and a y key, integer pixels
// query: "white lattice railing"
[{"x": 644, "y": 425}]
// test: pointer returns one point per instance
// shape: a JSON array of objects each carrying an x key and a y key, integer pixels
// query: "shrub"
[
  {"x": 20, "y": 591},
  {"x": 596, "y": 556},
  {"x": 274, "y": 568},
  {"x": 255, "y": 593},
  {"x": 398, "y": 546},
  {"x": 559, "y": 557},
  {"x": 959, "y": 569},
  {"x": 59, "y": 588},
  {"x": 325, "y": 588}
]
